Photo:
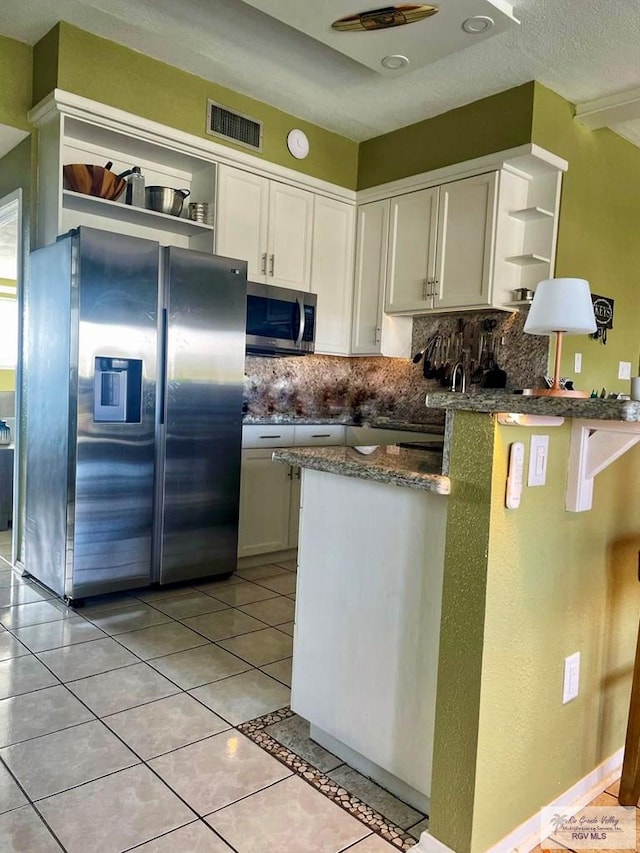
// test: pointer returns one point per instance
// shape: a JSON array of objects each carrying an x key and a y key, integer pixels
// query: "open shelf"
[
  {"x": 134, "y": 215},
  {"x": 527, "y": 214},
  {"x": 527, "y": 260}
]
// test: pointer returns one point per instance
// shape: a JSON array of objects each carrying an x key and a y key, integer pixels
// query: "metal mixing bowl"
[{"x": 165, "y": 199}]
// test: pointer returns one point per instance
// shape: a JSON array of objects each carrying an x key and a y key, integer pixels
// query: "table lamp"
[{"x": 560, "y": 306}]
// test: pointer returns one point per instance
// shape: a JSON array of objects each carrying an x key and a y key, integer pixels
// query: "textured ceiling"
[{"x": 582, "y": 49}]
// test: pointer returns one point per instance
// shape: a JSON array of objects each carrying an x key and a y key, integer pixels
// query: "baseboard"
[
  {"x": 263, "y": 559},
  {"x": 429, "y": 844},
  {"x": 527, "y": 836}
]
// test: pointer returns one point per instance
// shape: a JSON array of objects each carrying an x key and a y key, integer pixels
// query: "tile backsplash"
[{"x": 360, "y": 388}]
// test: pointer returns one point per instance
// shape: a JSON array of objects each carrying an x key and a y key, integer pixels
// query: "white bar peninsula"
[{"x": 367, "y": 627}]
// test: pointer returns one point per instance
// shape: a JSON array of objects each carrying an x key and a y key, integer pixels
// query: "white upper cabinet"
[
  {"x": 332, "y": 273},
  {"x": 412, "y": 251},
  {"x": 243, "y": 213},
  {"x": 266, "y": 223},
  {"x": 464, "y": 248},
  {"x": 373, "y": 332},
  {"x": 289, "y": 241},
  {"x": 441, "y": 247},
  {"x": 65, "y": 139}
]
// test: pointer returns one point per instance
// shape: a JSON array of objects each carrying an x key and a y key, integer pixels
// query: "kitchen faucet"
[{"x": 463, "y": 377}]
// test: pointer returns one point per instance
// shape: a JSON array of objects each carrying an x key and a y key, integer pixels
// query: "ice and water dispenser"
[{"x": 117, "y": 390}]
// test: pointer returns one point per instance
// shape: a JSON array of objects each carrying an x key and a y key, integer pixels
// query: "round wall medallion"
[{"x": 298, "y": 144}]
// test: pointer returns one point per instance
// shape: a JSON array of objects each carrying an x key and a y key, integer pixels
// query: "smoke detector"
[{"x": 383, "y": 19}]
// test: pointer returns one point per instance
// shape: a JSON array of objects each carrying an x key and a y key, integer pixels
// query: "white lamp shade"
[{"x": 561, "y": 305}]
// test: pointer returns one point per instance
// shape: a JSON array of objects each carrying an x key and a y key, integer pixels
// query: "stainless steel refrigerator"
[{"x": 134, "y": 365}]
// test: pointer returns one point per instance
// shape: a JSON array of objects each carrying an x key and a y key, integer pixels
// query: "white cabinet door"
[
  {"x": 464, "y": 254},
  {"x": 369, "y": 278},
  {"x": 289, "y": 241},
  {"x": 332, "y": 274},
  {"x": 265, "y": 501},
  {"x": 412, "y": 251},
  {"x": 242, "y": 217}
]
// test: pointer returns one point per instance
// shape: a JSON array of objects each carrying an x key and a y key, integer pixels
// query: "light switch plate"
[
  {"x": 624, "y": 370},
  {"x": 538, "y": 455},
  {"x": 571, "y": 681}
]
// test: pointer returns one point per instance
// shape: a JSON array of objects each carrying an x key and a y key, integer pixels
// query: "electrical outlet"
[
  {"x": 571, "y": 683},
  {"x": 577, "y": 363},
  {"x": 624, "y": 370},
  {"x": 538, "y": 455}
]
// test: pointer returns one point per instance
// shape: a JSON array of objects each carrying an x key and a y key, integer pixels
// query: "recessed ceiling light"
[
  {"x": 478, "y": 24},
  {"x": 382, "y": 19},
  {"x": 394, "y": 62}
]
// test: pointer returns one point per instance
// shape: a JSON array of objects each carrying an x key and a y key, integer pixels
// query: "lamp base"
[{"x": 553, "y": 392}]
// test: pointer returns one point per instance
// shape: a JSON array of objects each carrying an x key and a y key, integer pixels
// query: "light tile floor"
[{"x": 117, "y": 724}]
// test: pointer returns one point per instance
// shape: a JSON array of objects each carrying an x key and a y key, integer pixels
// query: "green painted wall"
[
  {"x": 523, "y": 589},
  {"x": 460, "y": 661},
  {"x": 557, "y": 583},
  {"x": 492, "y": 124},
  {"x": 598, "y": 233},
  {"x": 45, "y": 64},
  {"x": 111, "y": 74},
  {"x": 15, "y": 82}
]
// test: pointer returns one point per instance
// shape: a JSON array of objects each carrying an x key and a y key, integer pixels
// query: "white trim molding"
[
  {"x": 614, "y": 109},
  {"x": 526, "y": 160},
  {"x": 594, "y": 446},
  {"x": 527, "y": 836},
  {"x": 133, "y": 126}
]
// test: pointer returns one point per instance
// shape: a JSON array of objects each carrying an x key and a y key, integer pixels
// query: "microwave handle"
[{"x": 300, "y": 304}]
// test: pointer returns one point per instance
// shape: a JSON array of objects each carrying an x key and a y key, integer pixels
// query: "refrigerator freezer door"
[
  {"x": 204, "y": 365},
  {"x": 112, "y": 527}
]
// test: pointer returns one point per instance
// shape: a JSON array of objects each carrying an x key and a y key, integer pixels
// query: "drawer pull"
[
  {"x": 270, "y": 436},
  {"x": 321, "y": 435}
]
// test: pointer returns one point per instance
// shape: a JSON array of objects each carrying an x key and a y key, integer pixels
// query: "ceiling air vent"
[{"x": 236, "y": 127}]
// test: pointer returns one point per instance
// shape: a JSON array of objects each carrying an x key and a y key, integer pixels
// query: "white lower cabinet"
[
  {"x": 270, "y": 491},
  {"x": 265, "y": 504}
]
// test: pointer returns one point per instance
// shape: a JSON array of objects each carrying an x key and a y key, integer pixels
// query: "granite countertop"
[
  {"x": 293, "y": 420},
  {"x": 436, "y": 426},
  {"x": 562, "y": 407},
  {"x": 413, "y": 469}
]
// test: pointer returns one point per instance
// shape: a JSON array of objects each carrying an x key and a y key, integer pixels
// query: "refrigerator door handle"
[
  {"x": 162, "y": 367},
  {"x": 302, "y": 321}
]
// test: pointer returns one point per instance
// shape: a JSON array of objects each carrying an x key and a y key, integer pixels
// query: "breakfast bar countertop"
[
  {"x": 561, "y": 407},
  {"x": 419, "y": 469}
]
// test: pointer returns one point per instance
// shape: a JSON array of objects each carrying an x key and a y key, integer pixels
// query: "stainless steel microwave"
[{"x": 280, "y": 321}]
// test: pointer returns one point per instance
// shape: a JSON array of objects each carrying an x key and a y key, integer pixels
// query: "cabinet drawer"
[
  {"x": 275, "y": 435},
  {"x": 308, "y": 435}
]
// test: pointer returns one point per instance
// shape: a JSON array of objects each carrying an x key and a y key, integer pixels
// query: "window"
[{"x": 8, "y": 332}]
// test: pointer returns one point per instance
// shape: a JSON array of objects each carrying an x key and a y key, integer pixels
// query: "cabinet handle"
[
  {"x": 263, "y": 266},
  {"x": 425, "y": 289},
  {"x": 298, "y": 473},
  {"x": 270, "y": 436},
  {"x": 377, "y": 337},
  {"x": 321, "y": 435},
  {"x": 290, "y": 474},
  {"x": 272, "y": 263}
]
